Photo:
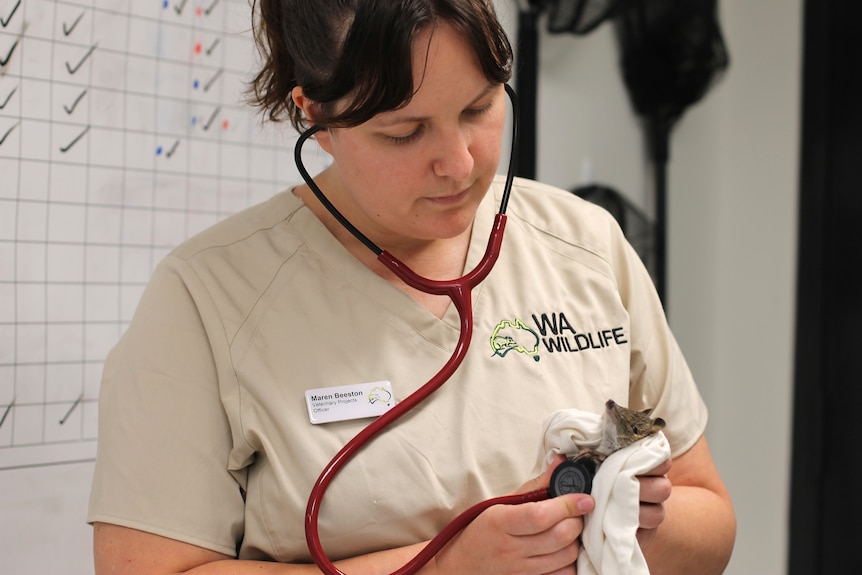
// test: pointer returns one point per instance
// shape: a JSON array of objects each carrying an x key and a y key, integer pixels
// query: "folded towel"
[{"x": 609, "y": 541}]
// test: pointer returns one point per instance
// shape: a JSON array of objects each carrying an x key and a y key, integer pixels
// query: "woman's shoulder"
[
  {"x": 238, "y": 257},
  {"x": 228, "y": 268},
  {"x": 561, "y": 216},
  {"x": 252, "y": 225}
]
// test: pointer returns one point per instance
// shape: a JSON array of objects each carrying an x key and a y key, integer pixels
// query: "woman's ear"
[{"x": 309, "y": 108}]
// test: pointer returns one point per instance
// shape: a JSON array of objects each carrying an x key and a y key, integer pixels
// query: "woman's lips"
[{"x": 451, "y": 199}]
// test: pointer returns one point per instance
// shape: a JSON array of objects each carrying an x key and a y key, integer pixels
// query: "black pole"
[
  {"x": 659, "y": 130},
  {"x": 526, "y": 82}
]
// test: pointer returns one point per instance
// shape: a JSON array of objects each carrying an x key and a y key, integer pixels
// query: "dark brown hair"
[{"x": 360, "y": 48}]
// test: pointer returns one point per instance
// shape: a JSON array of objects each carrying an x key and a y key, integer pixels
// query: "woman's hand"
[
  {"x": 530, "y": 538},
  {"x": 655, "y": 490}
]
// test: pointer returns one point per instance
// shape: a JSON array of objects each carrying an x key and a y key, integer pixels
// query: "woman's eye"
[
  {"x": 407, "y": 138},
  {"x": 478, "y": 111}
]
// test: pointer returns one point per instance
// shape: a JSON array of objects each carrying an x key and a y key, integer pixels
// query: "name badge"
[{"x": 347, "y": 402}]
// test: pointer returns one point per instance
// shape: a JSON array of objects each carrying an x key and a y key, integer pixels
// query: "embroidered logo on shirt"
[
  {"x": 554, "y": 333},
  {"x": 514, "y": 336}
]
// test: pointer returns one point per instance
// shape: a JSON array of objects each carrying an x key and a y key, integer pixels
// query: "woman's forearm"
[
  {"x": 696, "y": 536},
  {"x": 380, "y": 563}
]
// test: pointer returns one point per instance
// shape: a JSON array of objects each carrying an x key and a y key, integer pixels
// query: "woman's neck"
[{"x": 441, "y": 259}]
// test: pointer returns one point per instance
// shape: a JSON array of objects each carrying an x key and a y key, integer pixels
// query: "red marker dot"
[
  {"x": 225, "y": 125},
  {"x": 198, "y": 48},
  {"x": 199, "y": 11}
]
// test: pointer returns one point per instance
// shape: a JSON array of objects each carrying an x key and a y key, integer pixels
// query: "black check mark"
[
  {"x": 6, "y": 135},
  {"x": 179, "y": 7},
  {"x": 173, "y": 149},
  {"x": 68, "y": 146},
  {"x": 6, "y": 412},
  {"x": 71, "y": 28},
  {"x": 4, "y": 61},
  {"x": 71, "y": 409},
  {"x": 9, "y": 97},
  {"x": 76, "y": 67},
  {"x": 212, "y": 46},
  {"x": 5, "y": 21},
  {"x": 74, "y": 105},
  {"x": 212, "y": 118},
  {"x": 212, "y": 80},
  {"x": 210, "y": 8}
]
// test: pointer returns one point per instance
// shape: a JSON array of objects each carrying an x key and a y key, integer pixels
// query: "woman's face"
[{"x": 417, "y": 174}]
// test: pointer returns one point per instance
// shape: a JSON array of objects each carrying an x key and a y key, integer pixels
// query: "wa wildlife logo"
[
  {"x": 514, "y": 336},
  {"x": 552, "y": 333}
]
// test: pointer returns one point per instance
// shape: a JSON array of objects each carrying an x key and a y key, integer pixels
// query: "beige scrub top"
[{"x": 204, "y": 429}]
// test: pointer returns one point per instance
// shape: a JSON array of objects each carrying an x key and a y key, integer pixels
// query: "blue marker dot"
[
  {"x": 165, "y": 4},
  {"x": 196, "y": 84},
  {"x": 159, "y": 151},
  {"x": 194, "y": 120}
]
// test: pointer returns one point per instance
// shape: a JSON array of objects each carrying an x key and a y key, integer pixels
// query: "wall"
[
  {"x": 122, "y": 132},
  {"x": 732, "y": 185},
  {"x": 741, "y": 345}
]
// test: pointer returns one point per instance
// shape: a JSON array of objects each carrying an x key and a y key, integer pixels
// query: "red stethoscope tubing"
[{"x": 460, "y": 292}]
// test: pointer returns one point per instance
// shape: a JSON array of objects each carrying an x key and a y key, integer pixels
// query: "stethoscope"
[{"x": 460, "y": 292}]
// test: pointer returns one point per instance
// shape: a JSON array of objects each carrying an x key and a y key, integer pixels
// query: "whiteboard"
[{"x": 123, "y": 131}]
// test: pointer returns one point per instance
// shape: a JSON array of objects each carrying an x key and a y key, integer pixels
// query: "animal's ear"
[
  {"x": 658, "y": 424},
  {"x": 647, "y": 411}
]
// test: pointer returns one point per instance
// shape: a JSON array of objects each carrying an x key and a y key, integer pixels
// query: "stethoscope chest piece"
[{"x": 572, "y": 477}]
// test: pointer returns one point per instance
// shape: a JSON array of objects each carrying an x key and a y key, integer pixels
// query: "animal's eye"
[{"x": 635, "y": 429}]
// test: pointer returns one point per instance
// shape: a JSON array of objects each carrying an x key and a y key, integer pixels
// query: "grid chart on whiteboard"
[{"x": 122, "y": 132}]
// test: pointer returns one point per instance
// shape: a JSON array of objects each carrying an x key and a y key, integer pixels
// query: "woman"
[{"x": 207, "y": 452}]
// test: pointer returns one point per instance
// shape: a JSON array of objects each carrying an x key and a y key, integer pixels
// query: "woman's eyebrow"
[{"x": 389, "y": 119}]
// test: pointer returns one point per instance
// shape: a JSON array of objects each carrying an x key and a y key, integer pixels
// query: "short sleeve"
[
  {"x": 164, "y": 436},
  {"x": 660, "y": 376}
]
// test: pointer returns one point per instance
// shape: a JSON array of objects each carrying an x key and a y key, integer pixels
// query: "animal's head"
[{"x": 625, "y": 426}]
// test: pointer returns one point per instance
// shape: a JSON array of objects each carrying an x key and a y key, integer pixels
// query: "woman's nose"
[{"x": 453, "y": 158}]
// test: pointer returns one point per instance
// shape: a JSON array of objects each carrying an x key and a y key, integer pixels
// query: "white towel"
[{"x": 609, "y": 541}]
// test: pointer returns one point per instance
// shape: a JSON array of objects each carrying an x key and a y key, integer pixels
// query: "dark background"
[{"x": 826, "y": 488}]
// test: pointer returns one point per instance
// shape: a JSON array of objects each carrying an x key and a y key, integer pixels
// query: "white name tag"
[{"x": 349, "y": 402}]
